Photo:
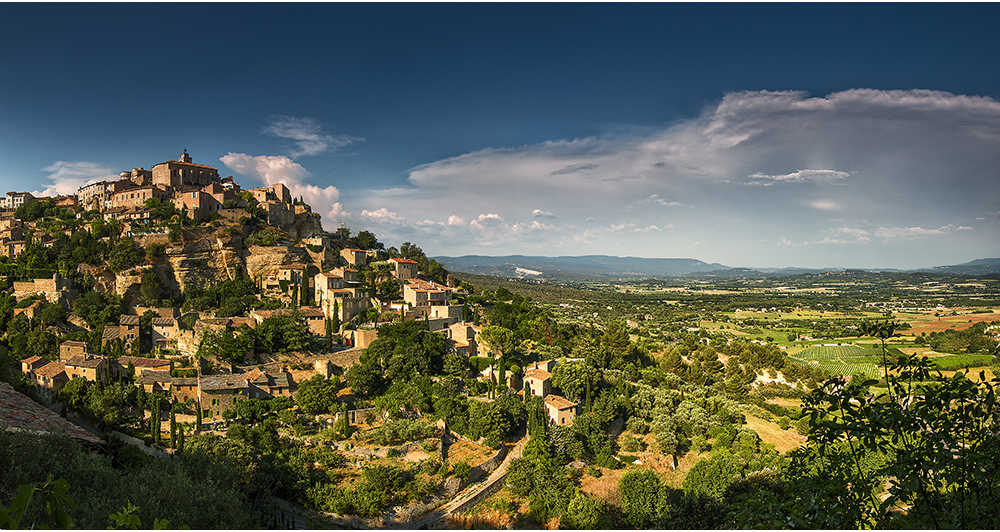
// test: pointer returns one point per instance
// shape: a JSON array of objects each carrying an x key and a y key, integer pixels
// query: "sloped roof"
[
  {"x": 151, "y": 377},
  {"x": 129, "y": 320},
  {"x": 559, "y": 403},
  {"x": 19, "y": 413},
  {"x": 51, "y": 369},
  {"x": 140, "y": 362}
]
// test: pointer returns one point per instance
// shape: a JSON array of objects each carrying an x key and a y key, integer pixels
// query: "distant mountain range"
[{"x": 604, "y": 267}]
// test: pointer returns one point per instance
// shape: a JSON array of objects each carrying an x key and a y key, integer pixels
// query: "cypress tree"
[
  {"x": 304, "y": 298},
  {"x": 173, "y": 429},
  {"x": 154, "y": 419},
  {"x": 198, "y": 422}
]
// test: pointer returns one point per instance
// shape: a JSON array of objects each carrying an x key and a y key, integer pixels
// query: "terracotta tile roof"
[
  {"x": 164, "y": 322},
  {"x": 560, "y": 403},
  {"x": 140, "y": 362},
  {"x": 280, "y": 380},
  {"x": 129, "y": 320},
  {"x": 19, "y": 413},
  {"x": 51, "y": 369},
  {"x": 184, "y": 381},
  {"x": 111, "y": 332},
  {"x": 539, "y": 374},
  {"x": 404, "y": 261},
  {"x": 31, "y": 361}
]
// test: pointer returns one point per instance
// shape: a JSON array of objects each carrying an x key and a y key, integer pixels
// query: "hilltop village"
[{"x": 303, "y": 273}]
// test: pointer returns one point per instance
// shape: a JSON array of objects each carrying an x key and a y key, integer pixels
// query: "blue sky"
[{"x": 812, "y": 135}]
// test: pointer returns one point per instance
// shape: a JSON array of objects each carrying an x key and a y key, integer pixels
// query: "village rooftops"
[
  {"x": 223, "y": 382},
  {"x": 184, "y": 381},
  {"x": 130, "y": 320},
  {"x": 31, "y": 361},
  {"x": 18, "y": 413},
  {"x": 164, "y": 322},
  {"x": 404, "y": 261}
]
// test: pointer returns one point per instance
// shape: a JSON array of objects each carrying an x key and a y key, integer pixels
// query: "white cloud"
[
  {"x": 655, "y": 198},
  {"x": 456, "y": 220},
  {"x": 485, "y": 221},
  {"x": 383, "y": 217},
  {"x": 68, "y": 176},
  {"x": 543, "y": 214},
  {"x": 825, "y": 205},
  {"x": 271, "y": 169},
  {"x": 308, "y": 135},
  {"x": 889, "y": 233},
  {"x": 800, "y": 176},
  {"x": 845, "y": 235}
]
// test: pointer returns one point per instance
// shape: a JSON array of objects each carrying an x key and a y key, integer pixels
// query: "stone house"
[
  {"x": 51, "y": 376},
  {"x": 405, "y": 268},
  {"x": 155, "y": 381},
  {"x": 217, "y": 392},
  {"x": 164, "y": 331},
  {"x": 92, "y": 368},
  {"x": 184, "y": 388},
  {"x": 537, "y": 381},
  {"x": 354, "y": 256},
  {"x": 70, "y": 349},
  {"x": 560, "y": 410},
  {"x": 263, "y": 385}
]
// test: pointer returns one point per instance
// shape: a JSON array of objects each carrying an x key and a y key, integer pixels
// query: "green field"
[{"x": 843, "y": 359}]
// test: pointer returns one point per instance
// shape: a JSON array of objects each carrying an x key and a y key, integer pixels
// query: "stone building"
[{"x": 182, "y": 172}]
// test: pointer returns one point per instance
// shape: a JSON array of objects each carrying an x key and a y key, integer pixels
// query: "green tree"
[
  {"x": 316, "y": 395},
  {"x": 150, "y": 288},
  {"x": 123, "y": 256},
  {"x": 640, "y": 495},
  {"x": 575, "y": 378}
]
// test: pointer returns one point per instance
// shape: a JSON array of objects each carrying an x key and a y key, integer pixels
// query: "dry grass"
[
  {"x": 464, "y": 451},
  {"x": 783, "y": 440}
]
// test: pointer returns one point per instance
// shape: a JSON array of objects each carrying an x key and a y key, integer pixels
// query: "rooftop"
[
  {"x": 560, "y": 403},
  {"x": 19, "y": 413}
]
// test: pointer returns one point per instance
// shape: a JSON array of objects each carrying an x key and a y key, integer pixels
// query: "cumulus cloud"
[
  {"x": 383, "y": 217},
  {"x": 485, "y": 221},
  {"x": 910, "y": 232},
  {"x": 271, "y": 169},
  {"x": 456, "y": 220},
  {"x": 66, "y": 177},
  {"x": 308, "y": 136},
  {"x": 538, "y": 213}
]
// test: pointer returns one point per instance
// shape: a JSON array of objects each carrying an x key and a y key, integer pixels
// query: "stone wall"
[{"x": 155, "y": 451}]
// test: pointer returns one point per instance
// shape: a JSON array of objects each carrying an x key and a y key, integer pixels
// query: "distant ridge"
[
  {"x": 606, "y": 267},
  {"x": 576, "y": 268},
  {"x": 976, "y": 267}
]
